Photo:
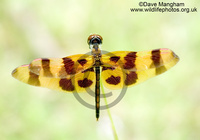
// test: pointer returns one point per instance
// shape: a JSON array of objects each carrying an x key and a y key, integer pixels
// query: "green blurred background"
[{"x": 166, "y": 107}]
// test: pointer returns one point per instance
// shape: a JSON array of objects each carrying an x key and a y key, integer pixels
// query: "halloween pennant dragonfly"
[{"x": 80, "y": 72}]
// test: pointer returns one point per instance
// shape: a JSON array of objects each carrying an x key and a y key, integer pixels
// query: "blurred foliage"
[{"x": 164, "y": 108}]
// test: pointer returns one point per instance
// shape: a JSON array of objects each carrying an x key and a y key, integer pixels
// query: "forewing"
[
  {"x": 61, "y": 67},
  {"x": 123, "y": 69},
  {"x": 139, "y": 61}
]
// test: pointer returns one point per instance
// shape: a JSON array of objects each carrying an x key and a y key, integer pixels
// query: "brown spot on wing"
[
  {"x": 131, "y": 78},
  {"x": 66, "y": 84},
  {"x": 90, "y": 69},
  {"x": 69, "y": 65},
  {"x": 33, "y": 79},
  {"x": 114, "y": 58},
  {"x": 130, "y": 60},
  {"x": 46, "y": 68},
  {"x": 107, "y": 68},
  {"x": 82, "y": 61},
  {"x": 157, "y": 62},
  {"x": 156, "y": 57},
  {"x": 85, "y": 83},
  {"x": 113, "y": 80}
]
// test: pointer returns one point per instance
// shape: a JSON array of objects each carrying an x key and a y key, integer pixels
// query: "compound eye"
[{"x": 95, "y": 39}]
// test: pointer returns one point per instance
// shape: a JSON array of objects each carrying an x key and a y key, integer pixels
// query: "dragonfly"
[{"x": 81, "y": 72}]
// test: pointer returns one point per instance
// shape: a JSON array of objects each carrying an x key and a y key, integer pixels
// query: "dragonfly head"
[{"x": 94, "y": 40}]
